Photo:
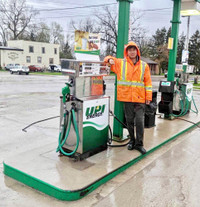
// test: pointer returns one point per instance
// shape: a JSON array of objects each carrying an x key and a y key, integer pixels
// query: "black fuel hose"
[
  {"x": 24, "y": 129},
  {"x": 110, "y": 138},
  {"x": 117, "y": 119}
]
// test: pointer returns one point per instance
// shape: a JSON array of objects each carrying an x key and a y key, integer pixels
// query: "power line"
[
  {"x": 69, "y": 16},
  {"x": 159, "y": 9},
  {"x": 60, "y": 17},
  {"x": 78, "y": 7}
]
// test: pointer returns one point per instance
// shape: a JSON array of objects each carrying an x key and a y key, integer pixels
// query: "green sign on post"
[{"x": 122, "y": 39}]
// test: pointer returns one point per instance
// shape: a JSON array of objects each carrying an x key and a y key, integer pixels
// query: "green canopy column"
[
  {"x": 122, "y": 39},
  {"x": 174, "y": 34}
]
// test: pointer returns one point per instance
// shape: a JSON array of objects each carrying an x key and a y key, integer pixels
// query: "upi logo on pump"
[{"x": 95, "y": 111}]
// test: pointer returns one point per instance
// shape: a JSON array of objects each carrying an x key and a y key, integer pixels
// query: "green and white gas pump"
[{"x": 84, "y": 110}]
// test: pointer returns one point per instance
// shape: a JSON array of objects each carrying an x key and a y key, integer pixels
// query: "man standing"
[{"x": 134, "y": 88}]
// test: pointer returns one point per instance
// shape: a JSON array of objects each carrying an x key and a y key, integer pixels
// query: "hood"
[{"x": 131, "y": 44}]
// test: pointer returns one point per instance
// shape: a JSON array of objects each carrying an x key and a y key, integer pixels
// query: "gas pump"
[
  {"x": 84, "y": 107},
  {"x": 176, "y": 98}
]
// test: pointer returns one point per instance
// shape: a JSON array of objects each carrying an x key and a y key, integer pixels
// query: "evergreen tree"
[
  {"x": 158, "y": 48},
  {"x": 180, "y": 48},
  {"x": 160, "y": 37},
  {"x": 66, "y": 50},
  {"x": 194, "y": 50},
  {"x": 168, "y": 34}
]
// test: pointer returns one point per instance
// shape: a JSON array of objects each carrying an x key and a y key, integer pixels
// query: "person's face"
[{"x": 132, "y": 52}]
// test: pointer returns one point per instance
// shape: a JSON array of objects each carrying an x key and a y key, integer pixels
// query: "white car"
[
  {"x": 20, "y": 70},
  {"x": 54, "y": 68},
  {"x": 9, "y": 66}
]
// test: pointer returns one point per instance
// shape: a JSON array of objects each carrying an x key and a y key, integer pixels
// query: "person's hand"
[
  {"x": 111, "y": 61},
  {"x": 147, "y": 102}
]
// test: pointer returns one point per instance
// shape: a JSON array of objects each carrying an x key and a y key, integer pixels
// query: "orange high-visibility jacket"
[{"x": 133, "y": 81}]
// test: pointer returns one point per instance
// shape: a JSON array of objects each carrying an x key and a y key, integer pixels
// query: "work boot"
[
  {"x": 131, "y": 145},
  {"x": 140, "y": 149}
]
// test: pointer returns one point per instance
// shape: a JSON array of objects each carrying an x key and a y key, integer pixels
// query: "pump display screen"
[{"x": 165, "y": 83}]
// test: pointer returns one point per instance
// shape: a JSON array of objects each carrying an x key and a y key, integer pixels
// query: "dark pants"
[{"x": 134, "y": 112}]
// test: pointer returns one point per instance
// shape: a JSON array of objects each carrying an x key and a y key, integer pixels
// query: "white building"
[{"x": 29, "y": 53}]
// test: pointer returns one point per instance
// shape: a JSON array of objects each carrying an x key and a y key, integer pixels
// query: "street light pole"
[
  {"x": 187, "y": 38},
  {"x": 185, "y": 64}
]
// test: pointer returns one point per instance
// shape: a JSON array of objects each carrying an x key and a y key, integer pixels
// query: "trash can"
[{"x": 150, "y": 111}]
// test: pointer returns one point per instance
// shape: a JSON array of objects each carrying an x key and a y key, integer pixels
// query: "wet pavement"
[{"x": 168, "y": 177}]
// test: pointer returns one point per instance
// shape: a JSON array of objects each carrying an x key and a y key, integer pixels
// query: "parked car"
[
  {"x": 35, "y": 68},
  {"x": 20, "y": 70},
  {"x": 53, "y": 67},
  {"x": 9, "y": 66}
]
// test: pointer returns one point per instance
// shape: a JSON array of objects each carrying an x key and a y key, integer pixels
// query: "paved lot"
[{"x": 168, "y": 177}]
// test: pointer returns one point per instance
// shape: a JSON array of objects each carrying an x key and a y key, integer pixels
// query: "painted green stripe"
[
  {"x": 92, "y": 123},
  {"x": 80, "y": 193},
  {"x": 96, "y": 52},
  {"x": 34, "y": 182}
]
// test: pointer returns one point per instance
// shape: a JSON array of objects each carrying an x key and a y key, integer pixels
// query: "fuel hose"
[
  {"x": 63, "y": 136},
  {"x": 110, "y": 138}
]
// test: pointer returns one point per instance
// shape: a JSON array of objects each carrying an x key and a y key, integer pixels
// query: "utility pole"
[
  {"x": 122, "y": 39},
  {"x": 188, "y": 32},
  {"x": 185, "y": 65}
]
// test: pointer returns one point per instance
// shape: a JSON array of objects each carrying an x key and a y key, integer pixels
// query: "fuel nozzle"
[{"x": 66, "y": 92}]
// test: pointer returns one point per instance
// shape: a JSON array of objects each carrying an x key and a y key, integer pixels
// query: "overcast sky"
[{"x": 151, "y": 20}]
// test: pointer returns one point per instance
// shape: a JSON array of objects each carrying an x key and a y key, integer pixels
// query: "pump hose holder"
[{"x": 64, "y": 135}]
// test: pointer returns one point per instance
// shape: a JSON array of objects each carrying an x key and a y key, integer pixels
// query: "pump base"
[
  {"x": 125, "y": 136},
  {"x": 169, "y": 117},
  {"x": 79, "y": 157}
]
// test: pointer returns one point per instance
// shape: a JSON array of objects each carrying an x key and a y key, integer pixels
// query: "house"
[
  {"x": 10, "y": 55},
  {"x": 29, "y": 53},
  {"x": 154, "y": 67}
]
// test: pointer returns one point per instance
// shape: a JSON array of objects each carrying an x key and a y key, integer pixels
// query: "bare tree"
[
  {"x": 136, "y": 31},
  {"x": 142, "y": 41},
  {"x": 57, "y": 36},
  {"x": 108, "y": 24},
  {"x": 3, "y": 34},
  {"x": 15, "y": 17},
  {"x": 87, "y": 25},
  {"x": 43, "y": 33},
  {"x": 40, "y": 32}
]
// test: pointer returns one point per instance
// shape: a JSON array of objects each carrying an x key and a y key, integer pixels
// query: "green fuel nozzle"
[{"x": 66, "y": 92}]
